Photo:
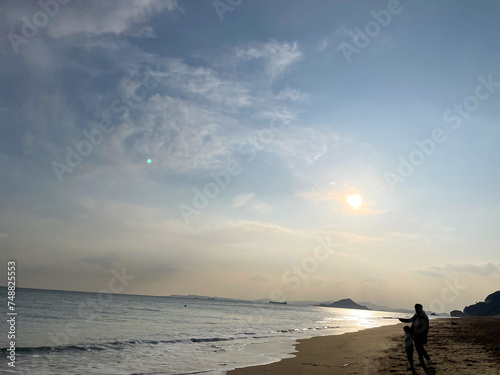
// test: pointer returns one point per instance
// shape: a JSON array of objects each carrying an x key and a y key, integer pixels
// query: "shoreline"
[
  {"x": 321, "y": 354},
  {"x": 471, "y": 346}
]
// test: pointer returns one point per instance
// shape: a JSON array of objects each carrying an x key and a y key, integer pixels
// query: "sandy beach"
[{"x": 470, "y": 347}]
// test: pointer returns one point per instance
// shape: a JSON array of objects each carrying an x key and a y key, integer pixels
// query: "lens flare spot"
[{"x": 149, "y": 161}]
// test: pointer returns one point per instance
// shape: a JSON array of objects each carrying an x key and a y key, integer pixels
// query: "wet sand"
[{"x": 470, "y": 347}]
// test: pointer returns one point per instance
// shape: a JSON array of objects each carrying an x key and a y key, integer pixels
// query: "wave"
[
  {"x": 305, "y": 329},
  {"x": 119, "y": 345},
  {"x": 31, "y": 349},
  {"x": 112, "y": 345}
]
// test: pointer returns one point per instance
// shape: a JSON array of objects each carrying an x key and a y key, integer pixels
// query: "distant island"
[{"x": 346, "y": 303}]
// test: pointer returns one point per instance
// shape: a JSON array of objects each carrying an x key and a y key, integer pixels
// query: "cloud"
[
  {"x": 483, "y": 269},
  {"x": 293, "y": 95},
  {"x": 159, "y": 271},
  {"x": 338, "y": 198},
  {"x": 341, "y": 34},
  {"x": 97, "y": 17},
  {"x": 242, "y": 199},
  {"x": 194, "y": 122},
  {"x": 203, "y": 83},
  {"x": 373, "y": 280},
  {"x": 260, "y": 208},
  {"x": 105, "y": 261},
  {"x": 256, "y": 207},
  {"x": 322, "y": 45},
  {"x": 255, "y": 227},
  {"x": 27, "y": 141},
  {"x": 178, "y": 134},
  {"x": 428, "y": 272},
  {"x": 347, "y": 33},
  {"x": 436, "y": 227},
  {"x": 142, "y": 32},
  {"x": 401, "y": 236},
  {"x": 258, "y": 278},
  {"x": 278, "y": 56},
  {"x": 301, "y": 143}
]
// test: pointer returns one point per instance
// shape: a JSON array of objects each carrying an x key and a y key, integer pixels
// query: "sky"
[{"x": 210, "y": 147}]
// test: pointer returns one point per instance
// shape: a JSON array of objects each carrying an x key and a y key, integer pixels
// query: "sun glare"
[{"x": 355, "y": 200}]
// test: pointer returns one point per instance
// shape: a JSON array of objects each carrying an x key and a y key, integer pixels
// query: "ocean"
[{"x": 62, "y": 332}]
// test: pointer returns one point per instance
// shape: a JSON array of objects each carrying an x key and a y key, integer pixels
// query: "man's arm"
[{"x": 408, "y": 320}]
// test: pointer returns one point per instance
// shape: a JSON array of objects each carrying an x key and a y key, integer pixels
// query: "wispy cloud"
[
  {"x": 483, "y": 269},
  {"x": 293, "y": 95},
  {"x": 258, "y": 278},
  {"x": 242, "y": 199},
  {"x": 106, "y": 260},
  {"x": 203, "y": 83},
  {"x": 302, "y": 144},
  {"x": 97, "y": 17},
  {"x": 373, "y": 280},
  {"x": 278, "y": 56},
  {"x": 347, "y": 33},
  {"x": 260, "y": 208},
  {"x": 142, "y": 32},
  {"x": 341, "y": 33},
  {"x": 178, "y": 134}
]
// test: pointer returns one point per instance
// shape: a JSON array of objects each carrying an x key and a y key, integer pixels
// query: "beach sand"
[{"x": 470, "y": 347}]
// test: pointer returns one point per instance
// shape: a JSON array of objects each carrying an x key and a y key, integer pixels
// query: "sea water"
[{"x": 62, "y": 332}]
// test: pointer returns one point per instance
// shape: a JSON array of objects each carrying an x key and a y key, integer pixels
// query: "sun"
[{"x": 354, "y": 200}]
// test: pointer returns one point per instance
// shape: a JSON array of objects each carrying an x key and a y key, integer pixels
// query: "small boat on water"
[{"x": 278, "y": 303}]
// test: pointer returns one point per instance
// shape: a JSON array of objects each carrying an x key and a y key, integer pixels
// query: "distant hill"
[
  {"x": 374, "y": 306},
  {"x": 490, "y": 306},
  {"x": 346, "y": 303},
  {"x": 343, "y": 303},
  {"x": 304, "y": 303}
]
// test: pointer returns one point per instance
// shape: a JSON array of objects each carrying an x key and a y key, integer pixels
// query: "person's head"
[
  {"x": 418, "y": 308},
  {"x": 407, "y": 329}
]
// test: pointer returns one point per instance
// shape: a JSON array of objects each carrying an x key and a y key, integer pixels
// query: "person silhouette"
[
  {"x": 420, "y": 329},
  {"x": 409, "y": 346}
]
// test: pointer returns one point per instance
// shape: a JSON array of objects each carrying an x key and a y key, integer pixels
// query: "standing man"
[{"x": 420, "y": 327}]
